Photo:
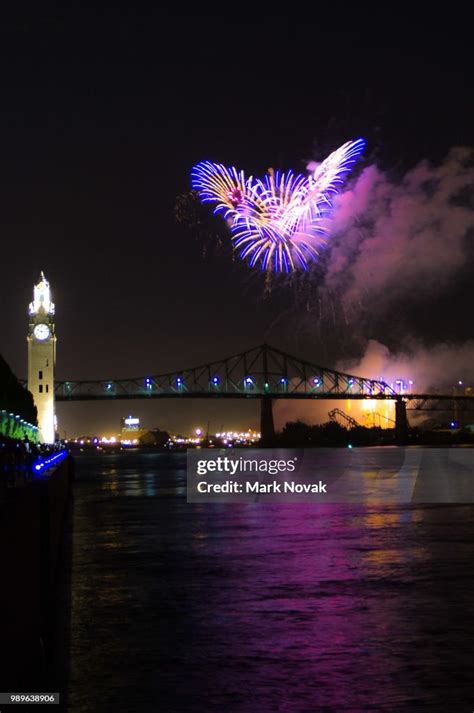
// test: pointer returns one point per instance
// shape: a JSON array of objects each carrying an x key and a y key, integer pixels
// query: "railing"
[
  {"x": 22, "y": 462},
  {"x": 41, "y": 465}
]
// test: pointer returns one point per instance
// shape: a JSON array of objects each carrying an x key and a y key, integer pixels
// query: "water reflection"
[{"x": 256, "y": 608}]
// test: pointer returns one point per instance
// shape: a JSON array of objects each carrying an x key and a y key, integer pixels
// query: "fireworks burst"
[{"x": 279, "y": 222}]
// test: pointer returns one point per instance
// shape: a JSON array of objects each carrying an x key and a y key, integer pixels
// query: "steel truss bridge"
[
  {"x": 264, "y": 373},
  {"x": 260, "y": 372}
]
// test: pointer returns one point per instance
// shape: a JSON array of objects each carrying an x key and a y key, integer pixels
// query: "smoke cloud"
[
  {"x": 412, "y": 235},
  {"x": 440, "y": 367}
]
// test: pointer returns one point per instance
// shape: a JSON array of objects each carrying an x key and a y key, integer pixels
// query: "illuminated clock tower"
[{"x": 42, "y": 358}]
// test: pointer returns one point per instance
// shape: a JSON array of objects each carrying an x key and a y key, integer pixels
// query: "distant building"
[{"x": 131, "y": 430}]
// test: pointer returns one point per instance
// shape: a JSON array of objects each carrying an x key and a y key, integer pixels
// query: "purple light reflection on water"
[
  {"x": 256, "y": 608},
  {"x": 311, "y": 602}
]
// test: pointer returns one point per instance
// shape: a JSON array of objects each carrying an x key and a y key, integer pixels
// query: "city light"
[
  {"x": 131, "y": 421},
  {"x": 229, "y": 439}
]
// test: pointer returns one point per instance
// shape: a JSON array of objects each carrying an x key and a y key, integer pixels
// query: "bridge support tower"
[
  {"x": 401, "y": 423},
  {"x": 267, "y": 427}
]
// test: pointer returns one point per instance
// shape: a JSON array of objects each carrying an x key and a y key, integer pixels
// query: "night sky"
[{"x": 104, "y": 113}]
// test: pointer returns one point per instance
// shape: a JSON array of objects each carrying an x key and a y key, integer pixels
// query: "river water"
[{"x": 256, "y": 608}]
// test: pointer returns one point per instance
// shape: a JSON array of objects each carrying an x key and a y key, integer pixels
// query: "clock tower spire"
[{"x": 42, "y": 358}]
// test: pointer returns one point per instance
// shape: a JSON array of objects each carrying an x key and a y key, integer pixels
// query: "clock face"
[{"x": 41, "y": 332}]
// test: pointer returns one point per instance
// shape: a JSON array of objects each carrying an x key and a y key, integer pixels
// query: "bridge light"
[
  {"x": 215, "y": 380},
  {"x": 351, "y": 382},
  {"x": 460, "y": 383},
  {"x": 248, "y": 381},
  {"x": 282, "y": 380},
  {"x": 453, "y": 424},
  {"x": 179, "y": 381},
  {"x": 316, "y": 381},
  {"x": 148, "y": 383}
]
